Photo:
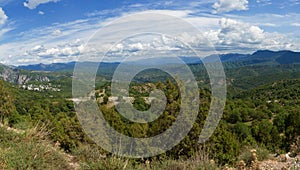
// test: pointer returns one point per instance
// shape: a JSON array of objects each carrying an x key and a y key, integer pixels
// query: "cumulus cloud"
[
  {"x": 230, "y": 5},
  {"x": 32, "y": 4},
  {"x": 59, "y": 51},
  {"x": 231, "y": 36},
  {"x": 145, "y": 45},
  {"x": 239, "y": 36},
  {"x": 58, "y": 43},
  {"x": 234, "y": 32},
  {"x": 3, "y": 17}
]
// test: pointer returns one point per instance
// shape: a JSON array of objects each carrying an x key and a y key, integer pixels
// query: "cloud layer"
[
  {"x": 229, "y": 36},
  {"x": 32, "y": 4},
  {"x": 232, "y": 33}
]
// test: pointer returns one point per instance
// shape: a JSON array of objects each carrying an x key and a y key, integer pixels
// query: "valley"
[{"x": 262, "y": 112}]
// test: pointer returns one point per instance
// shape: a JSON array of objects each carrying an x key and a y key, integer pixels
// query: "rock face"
[
  {"x": 22, "y": 79},
  {"x": 17, "y": 76}
]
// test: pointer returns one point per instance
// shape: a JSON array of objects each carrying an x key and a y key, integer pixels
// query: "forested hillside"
[
  {"x": 262, "y": 112},
  {"x": 263, "y": 115}
]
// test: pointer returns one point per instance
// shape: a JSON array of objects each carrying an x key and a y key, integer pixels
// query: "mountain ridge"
[
  {"x": 259, "y": 57},
  {"x": 19, "y": 76}
]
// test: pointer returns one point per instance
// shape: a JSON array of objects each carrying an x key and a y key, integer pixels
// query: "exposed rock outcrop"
[{"x": 20, "y": 77}]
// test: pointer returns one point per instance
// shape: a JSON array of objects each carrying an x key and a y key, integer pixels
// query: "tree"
[
  {"x": 139, "y": 104},
  {"x": 234, "y": 117},
  {"x": 262, "y": 130},
  {"x": 105, "y": 99},
  {"x": 279, "y": 121},
  {"x": 242, "y": 131},
  {"x": 224, "y": 145},
  {"x": 293, "y": 124},
  {"x": 7, "y": 106}
]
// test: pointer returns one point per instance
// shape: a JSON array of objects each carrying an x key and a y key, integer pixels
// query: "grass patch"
[
  {"x": 246, "y": 156},
  {"x": 30, "y": 150}
]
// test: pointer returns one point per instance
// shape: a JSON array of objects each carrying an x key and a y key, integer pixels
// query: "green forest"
[{"x": 262, "y": 112}]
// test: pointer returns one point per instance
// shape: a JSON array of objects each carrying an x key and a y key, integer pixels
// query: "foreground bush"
[{"x": 29, "y": 150}]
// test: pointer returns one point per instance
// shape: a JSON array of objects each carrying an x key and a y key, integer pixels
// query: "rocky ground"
[
  {"x": 279, "y": 162},
  {"x": 276, "y": 165}
]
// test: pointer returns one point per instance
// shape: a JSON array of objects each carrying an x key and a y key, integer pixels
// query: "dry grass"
[{"x": 30, "y": 150}]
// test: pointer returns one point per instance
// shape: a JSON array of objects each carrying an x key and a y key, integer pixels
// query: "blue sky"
[{"x": 47, "y": 31}]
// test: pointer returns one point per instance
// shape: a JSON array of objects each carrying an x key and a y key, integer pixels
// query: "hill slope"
[
  {"x": 18, "y": 76},
  {"x": 263, "y": 57}
]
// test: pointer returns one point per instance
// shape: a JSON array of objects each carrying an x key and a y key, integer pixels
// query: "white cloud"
[
  {"x": 296, "y": 24},
  {"x": 32, "y": 4},
  {"x": 264, "y": 2},
  {"x": 231, "y": 36},
  {"x": 59, "y": 42},
  {"x": 3, "y": 17},
  {"x": 3, "y": 23},
  {"x": 68, "y": 49},
  {"x": 230, "y": 5},
  {"x": 4, "y": 30},
  {"x": 57, "y": 32},
  {"x": 232, "y": 32},
  {"x": 41, "y": 13},
  {"x": 239, "y": 35},
  {"x": 264, "y": 19},
  {"x": 294, "y": 2},
  {"x": 140, "y": 45},
  {"x": 268, "y": 24}
]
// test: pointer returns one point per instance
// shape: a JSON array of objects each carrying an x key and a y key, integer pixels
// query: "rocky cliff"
[{"x": 20, "y": 77}]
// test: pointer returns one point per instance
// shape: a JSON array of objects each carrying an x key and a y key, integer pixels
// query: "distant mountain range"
[
  {"x": 261, "y": 57},
  {"x": 264, "y": 57},
  {"x": 49, "y": 67},
  {"x": 264, "y": 61}
]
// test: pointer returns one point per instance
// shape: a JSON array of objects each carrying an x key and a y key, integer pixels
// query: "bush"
[
  {"x": 262, "y": 154},
  {"x": 29, "y": 150}
]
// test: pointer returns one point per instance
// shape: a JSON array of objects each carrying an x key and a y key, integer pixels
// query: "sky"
[{"x": 51, "y": 31}]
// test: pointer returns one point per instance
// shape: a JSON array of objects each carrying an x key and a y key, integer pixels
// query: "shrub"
[{"x": 29, "y": 150}]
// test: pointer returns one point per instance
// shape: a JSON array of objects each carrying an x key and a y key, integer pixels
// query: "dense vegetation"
[{"x": 262, "y": 112}]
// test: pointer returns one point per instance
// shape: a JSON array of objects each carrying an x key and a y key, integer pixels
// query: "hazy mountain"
[
  {"x": 50, "y": 67},
  {"x": 264, "y": 57},
  {"x": 261, "y": 57}
]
